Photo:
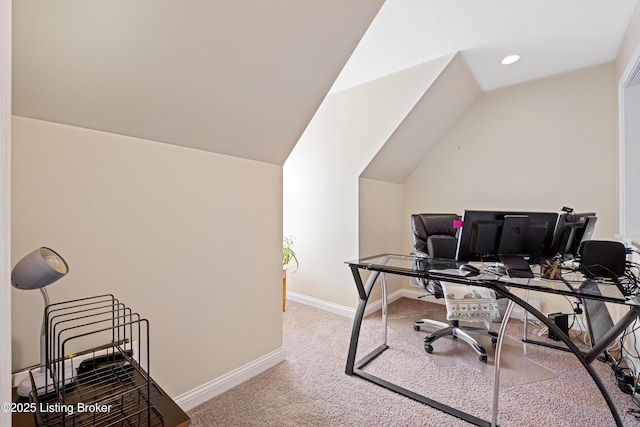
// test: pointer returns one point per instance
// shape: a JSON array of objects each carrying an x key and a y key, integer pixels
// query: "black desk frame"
[{"x": 377, "y": 265}]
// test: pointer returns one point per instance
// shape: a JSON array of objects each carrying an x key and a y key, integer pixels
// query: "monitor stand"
[{"x": 516, "y": 266}]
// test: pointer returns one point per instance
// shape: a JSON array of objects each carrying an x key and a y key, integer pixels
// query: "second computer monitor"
[
  {"x": 572, "y": 229},
  {"x": 488, "y": 234}
]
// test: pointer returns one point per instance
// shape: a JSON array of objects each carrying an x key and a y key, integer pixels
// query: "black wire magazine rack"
[{"x": 97, "y": 366}]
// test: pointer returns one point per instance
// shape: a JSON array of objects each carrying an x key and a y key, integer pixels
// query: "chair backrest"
[{"x": 434, "y": 235}]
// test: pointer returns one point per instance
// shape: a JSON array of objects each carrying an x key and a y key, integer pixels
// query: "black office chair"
[{"x": 434, "y": 236}]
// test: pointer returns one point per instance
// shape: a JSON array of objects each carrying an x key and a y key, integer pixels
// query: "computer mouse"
[{"x": 468, "y": 268}]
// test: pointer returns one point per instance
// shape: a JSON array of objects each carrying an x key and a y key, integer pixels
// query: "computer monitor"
[
  {"x": 486, "y": 235},
  {"x": 572, "y": 229}
]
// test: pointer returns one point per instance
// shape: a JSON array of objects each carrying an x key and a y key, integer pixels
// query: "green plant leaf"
[{"x": 288, "y": 254}]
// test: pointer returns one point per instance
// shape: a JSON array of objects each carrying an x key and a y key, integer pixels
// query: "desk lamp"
[{"x": 38, "y": 269}]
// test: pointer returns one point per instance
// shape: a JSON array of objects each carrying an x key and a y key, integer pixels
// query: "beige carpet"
[
  {"x": 516, "y": 367},
  {"x": 310, "y": 388}
]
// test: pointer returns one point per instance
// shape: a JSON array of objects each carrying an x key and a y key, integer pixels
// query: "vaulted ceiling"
[
  {"x": 551, "y": 37},
  {"x": 245, "y": 77},
  {"x": 241, "y": 77}
]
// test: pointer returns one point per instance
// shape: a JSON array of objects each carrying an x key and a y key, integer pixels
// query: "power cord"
[
  {"x": 635, "y": 413},
  {"x": 625, "y": 377},
  {"x": 541, "y": 332}
]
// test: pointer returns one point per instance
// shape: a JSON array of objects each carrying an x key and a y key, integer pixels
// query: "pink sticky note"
[{"x": 457, "y": 223}]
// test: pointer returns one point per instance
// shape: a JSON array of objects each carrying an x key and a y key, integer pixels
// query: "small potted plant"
[{"x": 288, "y": 254}]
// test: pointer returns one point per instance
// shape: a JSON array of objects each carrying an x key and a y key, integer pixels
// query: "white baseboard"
[
  {"x": 321, "y": 304},
  {"x": 412, "y": 292},
  {"x": 201, "y": 394},
  {"x": 371, "y": 306}
]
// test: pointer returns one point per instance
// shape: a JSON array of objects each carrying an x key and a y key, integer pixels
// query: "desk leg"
[
  {"x": 635, "y": 312},
  {"x": 496, "y": 363},
  {"x": 354, "y": 367},
  {"x": 525, "y": 317},
  {"x": 384, "y": 307},
  {"x": 364, "y": 292}
]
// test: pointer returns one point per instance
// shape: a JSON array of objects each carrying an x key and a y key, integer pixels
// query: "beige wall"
[
  {"x": 382, "y": 226},
  {"x": 189, "y": 239},
  {"x": 321, "y": 177},
  {"x": 381, "y": 221},
  {"x": 540, "y": 145}
]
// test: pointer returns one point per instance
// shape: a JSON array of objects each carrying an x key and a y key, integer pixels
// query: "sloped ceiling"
[
  {"x": 442, "y": 104},
  {"x": 241, "y": 77},
  {"x": 551, "y": 36}
]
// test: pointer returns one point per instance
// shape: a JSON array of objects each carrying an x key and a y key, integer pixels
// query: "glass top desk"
[{"x": 573, "y": 285}]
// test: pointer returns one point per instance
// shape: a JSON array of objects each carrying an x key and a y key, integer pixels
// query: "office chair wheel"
[
  {"x": 416, "y": 327},
  {"x": 428, "y": 347},
  {"x": 483, "y": 358}
]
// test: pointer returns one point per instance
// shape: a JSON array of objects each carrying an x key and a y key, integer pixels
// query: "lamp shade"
[{"x": 38, "y": 269}]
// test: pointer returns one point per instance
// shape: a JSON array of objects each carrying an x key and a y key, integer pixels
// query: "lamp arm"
[{"x": 43, "y": 332}]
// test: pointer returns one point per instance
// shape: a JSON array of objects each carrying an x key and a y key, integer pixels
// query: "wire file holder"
[{"x": 97, "y": 366}]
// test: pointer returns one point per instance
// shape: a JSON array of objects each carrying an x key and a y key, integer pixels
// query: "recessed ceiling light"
[{"x": 509, "y": 59}]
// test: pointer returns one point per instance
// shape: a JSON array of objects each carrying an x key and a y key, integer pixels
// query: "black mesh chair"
[{"x": 434, "y": 236}]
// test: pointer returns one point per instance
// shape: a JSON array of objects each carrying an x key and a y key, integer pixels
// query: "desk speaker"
[{"x": 599, "y": 258}]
